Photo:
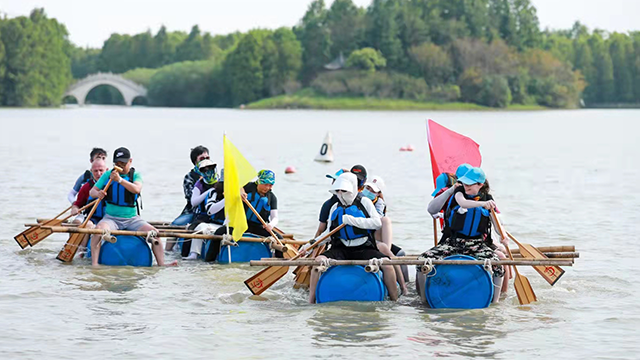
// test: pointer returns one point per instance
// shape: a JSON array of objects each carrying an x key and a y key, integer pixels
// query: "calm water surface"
[{"x": 560, "y": 178}]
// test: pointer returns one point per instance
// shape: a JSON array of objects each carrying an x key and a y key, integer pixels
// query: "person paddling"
[
  {"x": 197, "y": 154},
  {"x": 96, "y": 153},
  {"x": 467, "y": 228},
  {"x": 326, "y": 206},
  {"x": 355, "y": 241},
  {"x": 121, "y": 212},
  {"x": 98, "y": 167}
]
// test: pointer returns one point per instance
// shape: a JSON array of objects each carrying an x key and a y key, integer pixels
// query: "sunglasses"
[{"x": 200, "y": 158}]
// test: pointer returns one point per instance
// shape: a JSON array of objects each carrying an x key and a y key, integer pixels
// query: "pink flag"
[{"x": 449, "y": 150}]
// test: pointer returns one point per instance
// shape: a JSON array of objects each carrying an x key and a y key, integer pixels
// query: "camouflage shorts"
[{"x": 472, "y": 247}]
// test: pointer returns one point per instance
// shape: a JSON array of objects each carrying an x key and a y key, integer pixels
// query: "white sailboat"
[{"x": 326, "y": 150}]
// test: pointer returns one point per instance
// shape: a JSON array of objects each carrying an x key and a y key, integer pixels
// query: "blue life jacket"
[
  {"x": 119, "y": 195},
  {"x": 350, "y": 232},
  {"x": 473, "y": 224},
  {"x": 217, "y": 218},
  {"x": 262, "y": 206},
  {"x": 99, "y": 214}
]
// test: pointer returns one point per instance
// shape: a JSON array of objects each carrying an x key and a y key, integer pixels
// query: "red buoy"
[
  {"x": 290, "y": 170},
  {"x": 409, "y": 147},
  {"x": 403, "y": 149}
]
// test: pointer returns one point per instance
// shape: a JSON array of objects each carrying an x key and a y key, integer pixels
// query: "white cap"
[
  {"x": 205, "y": 163},
  {"x": 376, "y": 183}
]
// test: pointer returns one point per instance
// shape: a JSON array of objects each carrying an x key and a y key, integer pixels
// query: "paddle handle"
[
  {"x": 95, "y": 206},
  {"x": 319, "y": 240},
  {"x": 86, "y": 206},
  {"x": 435, "y": 232},
  {"x": 264, "y": 224}
]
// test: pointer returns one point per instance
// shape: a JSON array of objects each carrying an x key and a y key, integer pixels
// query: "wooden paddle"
[
  {"x": 435, "y": 232},
  {"x": 550, "y": 273},
  {"x": 47, "y": 228},
  {"x": 263, "y": 280},
  {"x": 523, "y": 287},
  {"x": 303, "y": 273},
  {"x": 71, "y": 247},
  {"x": 289, "y": 251},
  {"x": 35, "y": 232}
]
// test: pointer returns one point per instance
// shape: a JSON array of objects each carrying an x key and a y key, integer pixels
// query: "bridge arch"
[{"x": 129, "y": 89}]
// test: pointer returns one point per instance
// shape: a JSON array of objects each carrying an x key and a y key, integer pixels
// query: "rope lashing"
[
  {"x": 152, "y": 237},
  {"x": 227, "y": 239},
  {"x": 487, "y": 266},
  {"x": 324, "y": 265},
  {"x": 106, "y": 236},
  {"x": 374, "y": 265},
  {"x": 428, "y": 267}
]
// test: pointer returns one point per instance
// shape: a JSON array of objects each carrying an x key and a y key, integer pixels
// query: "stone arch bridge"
[{"x": 129, "y": 89}]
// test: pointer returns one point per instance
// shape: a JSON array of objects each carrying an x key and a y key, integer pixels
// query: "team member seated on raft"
[
  {"x": 96, "y": 153},
  {"x": 384, "y": 236},
  {"x": 121, "y": 199},
  {"x": 98, "y": 167},
  {"x": 198, "y": 154},
  {"x": 445, "y": 187},
  {"x": 467, "y": 228},
  {"x": 265, "y": 202},
  {"x": 355, "y": 241},
  {"x": 326, "y": 206}
]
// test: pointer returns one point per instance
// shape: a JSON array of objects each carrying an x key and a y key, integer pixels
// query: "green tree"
[
  {"x": 243, "y": 69},
  {"x": 315, "y": 37},
  {"x": 366, "y": 59},
  {"x": 635, "y": 64},
  {"x": 603, "y": 82},
  {"x": 346, "y": 25},
  {"x": 620, "y": 48},
  {"x": 433, "y": 63},
  {"x": 583, "y": 62},
  {"x": 383, "y": 31},
  {"x": 183, "y": 84}
]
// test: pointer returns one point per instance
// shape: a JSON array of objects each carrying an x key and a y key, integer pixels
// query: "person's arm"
[
  {"x": 134, "y": 186},
  {"x": 380, "y": 205},
  {"x": 371, "y": 223},
  {"x": 438, "y": 202},
  {"x": 214, "y": 207},
  {"x": 71, "y": 196},
  {"x": 273, "y": 218},
  {"x": 197, "y": 198},
  {"x": 469, "y": 204},
  {"x": 187, "y": 186},
  {"x": 322, "y": 226},
  {"x": 82, "y": 198}
]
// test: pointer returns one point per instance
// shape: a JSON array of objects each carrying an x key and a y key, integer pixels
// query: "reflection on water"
[{"x": 349, "y": 324}]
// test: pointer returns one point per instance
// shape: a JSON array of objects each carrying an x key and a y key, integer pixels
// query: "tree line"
[{"x": 489, "y": 52}]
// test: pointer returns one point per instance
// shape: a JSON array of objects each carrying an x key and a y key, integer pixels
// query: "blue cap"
[
  {"x": 335, "y": 176},
  {"x": 442, "y": 181},
  {"x": 473, "y": 176},
  {"x": 462, "y": 169},
  {"x": 266, "y": 177}
]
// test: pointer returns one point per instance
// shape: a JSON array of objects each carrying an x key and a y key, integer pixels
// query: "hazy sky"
[{"x": 91, "y": 22}]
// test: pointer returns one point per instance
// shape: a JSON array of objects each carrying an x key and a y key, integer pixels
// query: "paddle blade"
[
  {"x": 263, "y": 280},
  {"x": 550, "y": 273},
  {"x": 70, "y": 248},
  {"x": 524, "y": 290},
  {"x": 303, "y": 278},
  {"x": 35, "y": 234}
]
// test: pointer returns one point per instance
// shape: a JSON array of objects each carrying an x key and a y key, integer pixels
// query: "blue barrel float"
[
  {"x": 349, "y": 283},
  {"x": 244, "y": 252},
  {"x": 127, "y": 251},
  {"x": 459, "y": 286}
]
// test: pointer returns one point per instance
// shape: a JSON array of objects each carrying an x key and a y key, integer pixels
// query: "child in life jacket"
[{"x": 467, "y": 229}]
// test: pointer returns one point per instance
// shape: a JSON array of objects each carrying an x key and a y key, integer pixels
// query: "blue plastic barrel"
[
  {"x": 349, "y": 283},
  {"x": 127, "y": 251},
  {"x": 459, "y": 286},
  {"x": 244, "y": 252}
]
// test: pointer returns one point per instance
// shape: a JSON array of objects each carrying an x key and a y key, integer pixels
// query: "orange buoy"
[
  {"x": 290, "y": 170},
  {"x": 403, "y": 149},
  {"x": 409, "y": 147}
]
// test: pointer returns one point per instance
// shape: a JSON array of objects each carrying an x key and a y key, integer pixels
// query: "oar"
[
  {"x": 288, "y": 252},
  {"x": 263, "y": 280},
  {"x": 303, "y": 274},
  {"x": 523, "y": 287},
  {"x": 550, "y": 273},
  {"x": 435, "y": 232},
  {"x": 34, "y": 233},
  {"x": 46, "y": 229},
  {"x": 71, "y": 247}
]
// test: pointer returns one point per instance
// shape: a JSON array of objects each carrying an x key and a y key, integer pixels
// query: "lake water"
[{"x": 559, "y": 177}]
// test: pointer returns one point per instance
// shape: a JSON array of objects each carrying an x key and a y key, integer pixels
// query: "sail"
[{"x": 326, "y": 150}]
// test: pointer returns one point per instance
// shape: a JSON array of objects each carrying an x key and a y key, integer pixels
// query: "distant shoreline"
[{"x": 346, "y": 103}]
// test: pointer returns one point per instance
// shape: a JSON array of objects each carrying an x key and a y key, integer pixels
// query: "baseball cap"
[
  {"x": 376, "y": 183},
  {"x": 473, "y": 176},
  {"x": 442, "y": 181},
  {"x": 338, "y": 173},
  {"x": 462, "y": 169},
  {"x": 121, "y": 154},
  {"x": 360, "y": 172},
  {"x": 205, "y": 163}
]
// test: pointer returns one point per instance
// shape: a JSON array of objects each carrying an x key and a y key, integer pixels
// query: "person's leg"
[
  {"x": 507, "y": 273},
  {"x": 383, "y": 248},
  {"x": 389, "y": 279},
  {"x": 482, "y": 252},
  {"x": 158, "y": 251},
  {"x": 96, "y": 240},
  {"x": 387, "y": 233},
  {"x": 181, "y": 220},
  {"x": 421, "y": 280},
  {"x": 85, "y": 239}
]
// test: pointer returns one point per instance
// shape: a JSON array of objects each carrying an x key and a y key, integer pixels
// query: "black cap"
[
  {"x": 360, "y": 172},
  {"x": 121, "y": 154}
]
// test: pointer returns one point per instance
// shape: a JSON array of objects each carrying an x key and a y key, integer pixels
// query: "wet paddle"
[
  {"x": 35, "y": 232},
  {"x": 289, "y": 251},
  {"x": 523, "y": 287},
  {"x": 263, "y": 280},
  {"x": 303, "y": 273},
  {"x": 46, "y": 229},
  {"x": 550, "y": 273},
  {"x": 71, "y": 247}
]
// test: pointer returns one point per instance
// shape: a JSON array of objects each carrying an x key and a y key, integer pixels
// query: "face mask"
[{"x": 368, "y": 194}]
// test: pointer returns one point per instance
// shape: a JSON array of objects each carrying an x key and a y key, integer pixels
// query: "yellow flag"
[{"x": 237, "y": 173}]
